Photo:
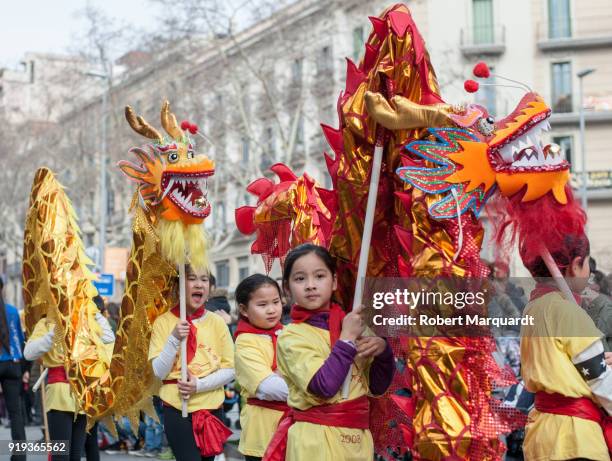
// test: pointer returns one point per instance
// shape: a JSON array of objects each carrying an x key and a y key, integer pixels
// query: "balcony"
[
  {"x": 483, "y": 41},
  {"x": 581, "y": 32}
]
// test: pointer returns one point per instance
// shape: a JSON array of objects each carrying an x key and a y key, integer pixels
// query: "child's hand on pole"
[
  {"x": 189, "y": 387},
  {"x": 352, "y": 325},
  {"x": 370, "y": 346},
  {"x": 181, "y": 330}
]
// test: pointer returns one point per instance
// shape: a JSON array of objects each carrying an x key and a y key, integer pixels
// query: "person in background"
[
  {"x": 286, "y": 316},
  {"x": 14, "y": 370},
  {"x": 597, "y": 303},
  {"x": 218, "y": 302}
]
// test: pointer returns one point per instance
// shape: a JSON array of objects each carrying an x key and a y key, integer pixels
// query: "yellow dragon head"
[{"x": 172, "y": 186}]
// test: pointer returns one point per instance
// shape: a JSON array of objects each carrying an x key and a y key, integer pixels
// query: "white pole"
[
  {"x": 41, "y": 379},
  {"x": 365, "y": 243},
  {"x": 183, "y": 316},
  {"x": 556, "y": 274}
]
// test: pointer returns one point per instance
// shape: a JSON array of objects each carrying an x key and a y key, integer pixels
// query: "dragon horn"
[
  {"x": 140, "y": 126},
  {"x": 407, "y": 115},
  {"x": 168, "y": 121}
]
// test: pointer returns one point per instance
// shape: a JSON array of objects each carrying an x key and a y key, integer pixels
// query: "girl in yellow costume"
[
  {"x": 259, "y": 300},
  {"x": 563, "y": 362},
  {"x": 210, "y": 359},
  {"x": 66, "y": 420},
  {"x": 315, "y": 354}
]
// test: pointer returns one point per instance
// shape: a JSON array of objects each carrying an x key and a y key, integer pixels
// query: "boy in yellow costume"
[{"x": 563, "y": 362}]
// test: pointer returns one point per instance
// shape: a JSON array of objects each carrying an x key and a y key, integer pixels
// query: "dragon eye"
[
  {"x": 173, "y": 157},
  {"x": 490, "y": 120}
]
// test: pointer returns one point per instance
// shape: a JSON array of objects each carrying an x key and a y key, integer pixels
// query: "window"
[
  {"x": 483, "y": 21},
  {"x": 219, "y": 215},
  {"x": 566, "y": 145},
  {"x": 243, "y": 267},
  {"x": 358, "y": 42},
  {"x": 296, "y": 71},
  {"x": 222, "y": 273},
  {"x": 299, "y": 135},
  {"x": 559, "y": 20},
  {"x": 246, "y": 145},
  {"x": 324, "y": 61},
  {"x": 270, "y": 142},
  {"x": 562, "y": 87},
  {"x": 486, "y": 96}
]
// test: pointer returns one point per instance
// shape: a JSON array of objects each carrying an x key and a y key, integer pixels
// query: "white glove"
[
  {"x": 107, "y": 335},
  {"x": 36, "y": 348}
]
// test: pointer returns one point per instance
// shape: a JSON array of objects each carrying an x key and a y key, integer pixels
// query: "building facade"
[{"x": 260, "y": 96}]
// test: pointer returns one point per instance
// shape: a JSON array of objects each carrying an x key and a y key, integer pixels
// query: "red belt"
[
  {"x": 353, "y": 414},
  {"x": 57, "y": 375},
  {"x": 580, "y": 407},
  {"x": 170, "y": 381},
  {"x": 269, "y": 404}
]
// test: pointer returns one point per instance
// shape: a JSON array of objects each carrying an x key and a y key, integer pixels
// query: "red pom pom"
[
  {"x": 471, "y": 86},
  {"x": 185, "y": 125},
  {"x": 193, "y": 128},
  {"x": 482, "y": 70}
]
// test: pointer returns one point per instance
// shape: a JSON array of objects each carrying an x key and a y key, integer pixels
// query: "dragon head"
[
  {"x": 170, "y": 176},
  {"x": 172, "y": 185},
  {"x": 471, "y": 155}
]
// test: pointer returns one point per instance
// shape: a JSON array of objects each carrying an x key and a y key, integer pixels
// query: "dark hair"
[
  {"x": 99, "y": 302},
  {"x": 575, "y": 246},
  {"x": 212, "y": 280},
  {"x": 303, "y": 250},
  {"x": 252, "y": 283},
  {"x": 602, "y": 281}
]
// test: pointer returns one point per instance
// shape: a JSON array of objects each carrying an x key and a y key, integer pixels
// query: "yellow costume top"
[
  {"x": 58, "y": 396},
  {"x": 301, "y": 351},
  {"x": 254, "y": 356},
  {"x": 560, "y": 330},
  {"x": 215, "y": 351}
]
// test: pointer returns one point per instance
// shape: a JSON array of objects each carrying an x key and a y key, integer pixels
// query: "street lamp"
[
  {"x": 583, "y": 187},
  {"x": 103, "y": 191}
]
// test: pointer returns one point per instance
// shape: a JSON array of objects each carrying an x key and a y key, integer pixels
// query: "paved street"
[{"x": 35, "y": 433}]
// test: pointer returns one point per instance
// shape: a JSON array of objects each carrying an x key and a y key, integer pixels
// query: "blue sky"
[{"x": 51, "y": 25}]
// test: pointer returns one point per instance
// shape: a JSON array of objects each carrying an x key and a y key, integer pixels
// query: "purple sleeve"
[
  {"x": 381, "y": 372},
  {"x": 328, "y": 380}
]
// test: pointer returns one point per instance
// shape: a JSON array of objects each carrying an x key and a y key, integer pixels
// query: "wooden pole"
[
  {"x": 183, "y": 316},
  {"x": 43, "y": 395}
]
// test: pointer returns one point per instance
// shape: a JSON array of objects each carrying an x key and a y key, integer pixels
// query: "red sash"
[
  {"x": 245, "y": 327},
  {"x": 542, "y": 289},
  {"x": 353, "y": 414},
  {"x": 209, "y": 432},
  {"x": 269, "y": 404},
  {"x": 192, "y": 338},
  {"x": 336, "y": 315},
  {"x": 57, "y": 375},
  {"x": 580, "y": 407}
]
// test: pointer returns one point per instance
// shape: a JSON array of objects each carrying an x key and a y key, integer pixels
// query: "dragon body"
[{"x": 441, "y": 164}]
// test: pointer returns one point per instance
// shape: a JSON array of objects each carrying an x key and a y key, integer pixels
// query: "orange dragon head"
[
  {"x": 467, "y": 155},
  {"x": 172, "y": 185}
]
